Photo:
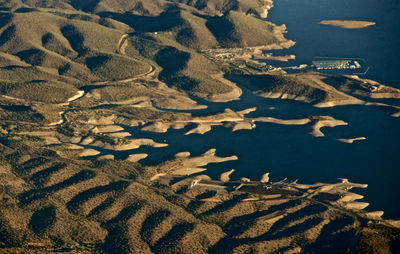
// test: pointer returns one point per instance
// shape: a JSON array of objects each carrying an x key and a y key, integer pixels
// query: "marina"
[
  {"x": 332, "y": 65},
  {"x": 335, "y": 64}
]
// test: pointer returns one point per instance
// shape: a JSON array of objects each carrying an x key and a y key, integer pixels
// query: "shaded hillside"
[
  {"x": 146, "y": 7},
  {"x": 236, "y": 29},
  {"x": 83, "y": 84},
  {"x": 303, "y": 87},
  {"x": 50, "y": 203},
  {"x": 253, "y": 7},
  {"x": 189, "y": 72},
  {"x": 80, "y": 46},
  {"x": 194, "y": 32},
  {"x": 62, "y": 48}
]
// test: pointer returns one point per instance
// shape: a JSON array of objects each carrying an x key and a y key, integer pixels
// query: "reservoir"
[
  {"x": 379, "y": 45},
  {"x": 291, "y": 151}
]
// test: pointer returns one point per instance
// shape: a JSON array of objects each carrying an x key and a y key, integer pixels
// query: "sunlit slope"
[
  {"x": 194, "y": 32},
  {"x": 45, "y": 42},
  {"x": 225, "y": 22},
  {"x": 239, "y": 30},
  {"x": 19, "y": 4},
  {"x": 54, "y": 203},
  {"x": 149, "y": 7},
  {"x": 254, "y": 7},
  {"x": 142, "y": 7}
]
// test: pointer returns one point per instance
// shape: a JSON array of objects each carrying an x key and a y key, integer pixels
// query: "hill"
[
  {"x": 307, "y": 87},
  {"x": 64, "y": 48},
  {"x": 86, "y": 87},
  {"x": 51, "y": 203}
]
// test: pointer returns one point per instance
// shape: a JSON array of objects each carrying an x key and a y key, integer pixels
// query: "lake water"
[
  {"x": 376, "y": 160},
  {"x": 379, "y": 45},
  {"x": 290, "y": 151}
]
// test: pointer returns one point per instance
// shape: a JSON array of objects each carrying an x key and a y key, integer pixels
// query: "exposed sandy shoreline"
[
  {"x": 337, "y": 194},
  {"x": 325, "y": 121},
  {"x": 351, "y": 140},
  {"x": 183, "y": 164},
  {"x": 348, "y": 24}
]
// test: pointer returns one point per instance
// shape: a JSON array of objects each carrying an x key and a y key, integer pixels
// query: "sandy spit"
[
  {"x": 326, "y": 121},
  {"x": 348, "y": 24}
]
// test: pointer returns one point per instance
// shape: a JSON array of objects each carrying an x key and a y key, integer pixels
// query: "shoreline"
[
  {"x": 347, "y": 24},
  {"x": 336, "y": 195}
]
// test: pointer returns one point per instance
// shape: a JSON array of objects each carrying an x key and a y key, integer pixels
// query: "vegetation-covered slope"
[
  {"x": 50, "y": 203},
  {"x": 76, "y": 77}
]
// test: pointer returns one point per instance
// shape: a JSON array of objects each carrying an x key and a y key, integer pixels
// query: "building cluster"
[{"x": 336, "y": 64}]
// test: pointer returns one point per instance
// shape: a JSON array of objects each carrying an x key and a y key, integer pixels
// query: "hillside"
[
  {"x": 236, "y": 29},
  {"x": 148, "y": 7},
  {"x": 74, "y": 46},
  {"x": 51, "y": 203},
  {"x": 62, "y": 49},
  {"x": 306, "y": 87},
  {"x": 90, "y": 90}
]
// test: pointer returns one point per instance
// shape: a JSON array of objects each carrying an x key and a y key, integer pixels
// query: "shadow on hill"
[
  {"x": 279, "y": 230},
  {"x": 221, "y": 28},
  {"x": 207, "y": 194},
  {"x": 165, "y": 21},
  {"x": 43, "y": 219},
  {"x": 185, "y": 37},
  {"x": 95, "y": 62},
  {"x": 228, "y": 244},
  {"x": 25, "y": 10},
  {"x": 108, "y": 202},
  {"x": 226, "y": 205},
  {"x": 7, "y": 35},
  {"x": 171, "y": 60},
  {"x": 333, "y": 237},
  {"x": 310, "y": 210},
  {"x": 151, "y": 223},
  {"x": 240, "y": 224},
  {"x": 74, "y": 204},
  {"x": 19, "y": 113},
  {"x": 36, "y": 194},
  {"x": 30, "y": 165},
  {"x": 5, "y": 18},
  {"x": 169, "y": 241},
  {"x": 16, "y": 108},
  {"x": 86, "y": 6},
  {"x": 117, "y": 241},
  {"x": 281, "y": 84},
  {"x": 75, "y": 38},
  {"x": 32, "y": 56},
  {"x": 41, "y": 177},
  {"x": 50, "y": 42},
  {"x": 196, "y": 203}
]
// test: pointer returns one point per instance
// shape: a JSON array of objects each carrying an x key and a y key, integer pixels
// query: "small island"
[{"x": 348, "y": 24}]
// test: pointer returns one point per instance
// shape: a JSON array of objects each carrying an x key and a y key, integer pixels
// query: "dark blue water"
[
  {"x": 290, "y": 151},
  {"x": 379, "y": 44}
]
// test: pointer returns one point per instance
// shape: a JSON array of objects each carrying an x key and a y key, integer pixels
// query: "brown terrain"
[
  {"x": 348, "y": 24},
  {"x": 76, "y": 76}
]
